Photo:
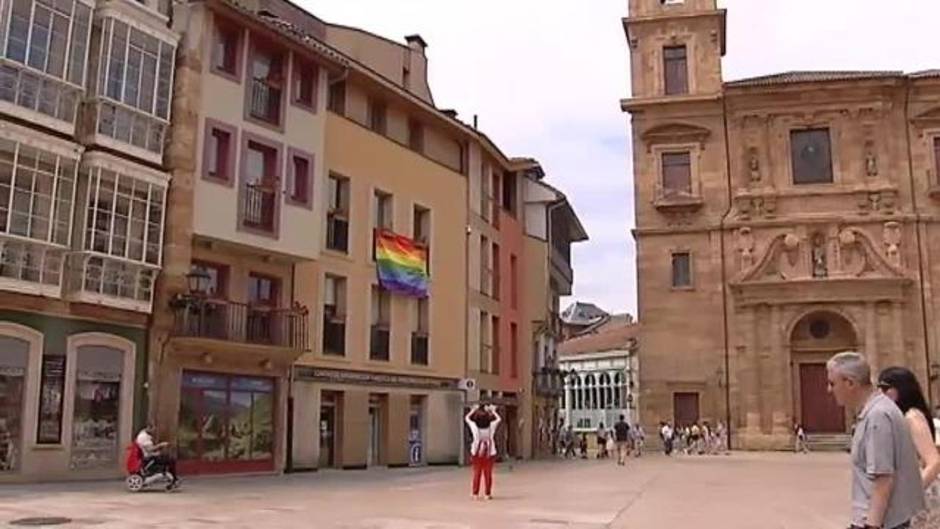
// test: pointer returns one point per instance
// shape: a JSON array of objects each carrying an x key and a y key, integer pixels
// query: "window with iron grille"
[
  {"x": 334, "y": 315},
  {"x": 381, "y": 326},
  {"x": 811, "y": 156},
  {"x": 337, "y": 217},
  {"x": 267, "y": 84},
  {"x": 681, "y": 270},
  {"x": 420, "y": 335}
]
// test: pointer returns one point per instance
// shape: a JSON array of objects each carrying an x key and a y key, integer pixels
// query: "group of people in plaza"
[
  {"x": 694, "y": 439},
  {"x": 895, "y": 459},
  {"x": 623, "y": 439}
]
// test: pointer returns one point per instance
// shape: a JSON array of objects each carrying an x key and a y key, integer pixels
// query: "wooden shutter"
[
  {"x": 677, "y": 173},
  {"x": 676, "y": 70}
]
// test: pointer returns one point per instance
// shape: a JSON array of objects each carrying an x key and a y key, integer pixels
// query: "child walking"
[{"x": 483, "y": 423}]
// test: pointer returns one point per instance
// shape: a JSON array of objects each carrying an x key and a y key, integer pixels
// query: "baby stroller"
[{"x": 142, "y": 473}]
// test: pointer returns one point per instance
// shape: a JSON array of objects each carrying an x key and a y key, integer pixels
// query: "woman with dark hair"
[
  {"x": 900, "y": 385},
  {"x": 482, "y": 423}
]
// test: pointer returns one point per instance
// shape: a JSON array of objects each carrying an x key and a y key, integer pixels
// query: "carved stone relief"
[
  {"x": 819, "y": 256},
  {"x": 746, "y": 247},
  {"x": 871, "y": 160},
  {"x": 753, "y": 164},
  {"x": 892, "y": 241}
]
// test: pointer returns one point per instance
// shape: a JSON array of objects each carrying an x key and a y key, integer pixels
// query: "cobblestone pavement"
[{"x": 742, "y": 491}]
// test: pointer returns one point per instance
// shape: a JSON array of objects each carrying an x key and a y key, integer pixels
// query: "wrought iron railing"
[
  {"x": 242, "y": 322},
  {"x": 265, "y": 101},
  {"x": 260, "y": 206}
]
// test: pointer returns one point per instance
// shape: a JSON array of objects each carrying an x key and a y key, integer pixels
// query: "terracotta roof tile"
[
  {"x": 925, "y": 74},
  {"x": 812, "y": 77},
  {"x": 616, "y": 335}
]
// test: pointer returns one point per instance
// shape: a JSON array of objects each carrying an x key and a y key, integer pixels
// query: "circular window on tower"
[{"x": 819, "y": 329}]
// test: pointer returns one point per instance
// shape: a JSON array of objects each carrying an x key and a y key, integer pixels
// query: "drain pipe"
[
  {"x": 724, "y": 275},
  {"x": 920, "y": 248}
]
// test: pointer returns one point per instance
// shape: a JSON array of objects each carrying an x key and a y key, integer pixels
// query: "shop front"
[
  {"x": 354, "y": 419},
  {"x": 226, "y": 423},
  {"x": 68, "y": 392}
]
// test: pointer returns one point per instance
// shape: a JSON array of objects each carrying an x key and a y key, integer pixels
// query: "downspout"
[
  {"x": 724, "y": 275},
  {"x": 289, "y": 456},
  {"x": 920, "y": 247}
]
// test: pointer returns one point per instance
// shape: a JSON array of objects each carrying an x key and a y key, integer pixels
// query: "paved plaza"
[{"x": 742, "y": 491}]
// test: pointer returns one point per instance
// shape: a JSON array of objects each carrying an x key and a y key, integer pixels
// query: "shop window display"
[
  {"x": 226, "y": 422},
  {"x": 14, "y": 359},
  {"x": 95, "y": 429}
]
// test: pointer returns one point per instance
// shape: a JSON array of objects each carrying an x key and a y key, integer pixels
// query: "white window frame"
[{"x": 128, "y": 383}]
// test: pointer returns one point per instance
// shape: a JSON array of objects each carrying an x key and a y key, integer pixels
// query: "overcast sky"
[{"x": 546, "y": 77}]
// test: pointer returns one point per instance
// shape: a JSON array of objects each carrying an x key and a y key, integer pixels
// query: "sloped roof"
[
  {"x": 616, "y": 335},
  {"x": 579, "y": 313},
  {"x": 923, "y": 74},
  {"x": 813, "y": 77}
]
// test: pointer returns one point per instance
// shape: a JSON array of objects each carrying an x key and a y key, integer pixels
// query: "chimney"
[{"x": 416, "y": 43}]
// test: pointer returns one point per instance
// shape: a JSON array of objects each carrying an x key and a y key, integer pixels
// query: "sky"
[{"x": 545, "y": 78}]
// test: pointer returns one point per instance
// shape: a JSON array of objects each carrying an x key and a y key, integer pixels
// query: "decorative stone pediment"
[
  {"x": 841, "y": 253},
  {"x": 675, "y": 133},
  {"x": 931, "y": 116}
]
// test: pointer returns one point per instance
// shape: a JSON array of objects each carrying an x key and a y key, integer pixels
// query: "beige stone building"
[
  {"x": 779, "y": 219},
  {"x": 85, "y": 91}
]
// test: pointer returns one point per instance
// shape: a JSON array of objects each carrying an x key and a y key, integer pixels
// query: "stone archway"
[{"x": 814, "y": 338}]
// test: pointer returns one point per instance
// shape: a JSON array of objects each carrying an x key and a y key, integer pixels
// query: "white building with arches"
[{"x": 601, "y": 369}]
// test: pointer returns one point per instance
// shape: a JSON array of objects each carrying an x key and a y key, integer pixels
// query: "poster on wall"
[
  {"x": 50, "y": 400},
  {"x": 11, "y": 405},
  {"x": 95, "y": 425}
]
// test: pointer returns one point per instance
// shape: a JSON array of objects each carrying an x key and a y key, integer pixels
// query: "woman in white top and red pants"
[{"x": 483, "y": 423}]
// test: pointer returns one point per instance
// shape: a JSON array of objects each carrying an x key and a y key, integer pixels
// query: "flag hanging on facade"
[{"x": 402, "y": 264}]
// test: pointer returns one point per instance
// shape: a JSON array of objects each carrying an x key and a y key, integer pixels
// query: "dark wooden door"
[
  {"x": 685, "y": 408},
  {"x": 821, "y": 413}
]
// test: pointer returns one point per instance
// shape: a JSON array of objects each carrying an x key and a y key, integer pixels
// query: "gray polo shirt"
[{"x": 882, "y": 445}]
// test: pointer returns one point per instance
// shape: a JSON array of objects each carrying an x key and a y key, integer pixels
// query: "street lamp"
[{"x": 198, "y": 282}]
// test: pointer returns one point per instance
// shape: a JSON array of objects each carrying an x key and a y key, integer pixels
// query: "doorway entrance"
[
  {"x": 327, "y": 435},
  {"x": 685, "y": 408},
  {"x": 814, "y": 339},
  {"x": 820, "y": 412}
]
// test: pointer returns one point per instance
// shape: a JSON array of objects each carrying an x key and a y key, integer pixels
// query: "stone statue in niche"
[
  {"x": 788, "y": 264},
  {"x": 871, "y": 160},
  {"x": 746, "y": 247},
  {"x": 753, "y": 164},
  {"x": 820, "y": 268},
  {"x": 892, "y": 240}
]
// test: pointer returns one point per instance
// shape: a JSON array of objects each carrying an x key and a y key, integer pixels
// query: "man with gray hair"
[{"x": 886, "y": 484}]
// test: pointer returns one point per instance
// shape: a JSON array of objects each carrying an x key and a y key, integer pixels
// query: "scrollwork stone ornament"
[
  {"x": 746, "y": 247},
  {"x": 892, "y": 242}
]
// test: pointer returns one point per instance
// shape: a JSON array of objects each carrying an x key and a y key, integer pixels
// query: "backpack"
[{"x": 133, "y": 459}]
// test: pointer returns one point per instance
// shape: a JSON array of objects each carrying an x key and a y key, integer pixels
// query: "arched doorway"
[{"x": 813, "y": 340}]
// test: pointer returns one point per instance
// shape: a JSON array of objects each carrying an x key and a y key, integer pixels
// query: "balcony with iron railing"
[
  {"x": 230, "y": 321},
  {"x": 259, "y": 210},
  {"x": 265, "y": 101},
  {"x": 379, "y": 342},
  {"x": 419, "y": 348}
]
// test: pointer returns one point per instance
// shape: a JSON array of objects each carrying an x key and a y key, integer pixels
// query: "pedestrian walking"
[
  {"x": 639, "y": 439},
  {"x": 601, "y": 441},
  {"x": 721, "y": 439},
  {"x": 695, "y": 435},
  {"x": 483, "y": 423},
  {"x": 666, "y": 435},
  {"x": 568, "y": 442},
  {"x": 799, "y": 439},
  {"x": 886, "y": 481},
  {"x": 900, "y": 385},
  {"x": 622, "y": 437},
  {"x": 583, "y": 445}
]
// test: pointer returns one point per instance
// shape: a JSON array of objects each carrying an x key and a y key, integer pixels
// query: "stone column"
[
  {"x": 782, "y": 385},
  {"x": 569, "y": 403},
  {"x": 749, "y": 372}
]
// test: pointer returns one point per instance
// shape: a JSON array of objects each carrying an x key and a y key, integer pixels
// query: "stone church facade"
[{"x": 779, "y": 219}]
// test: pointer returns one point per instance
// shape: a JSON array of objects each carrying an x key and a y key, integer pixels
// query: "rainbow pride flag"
[{"x": 402, "y": 265}]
